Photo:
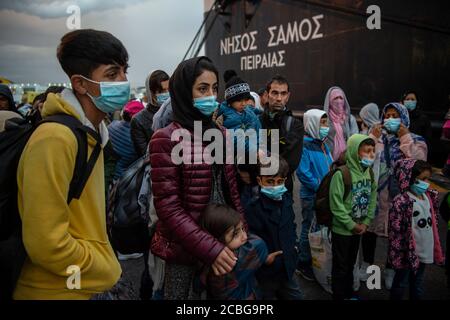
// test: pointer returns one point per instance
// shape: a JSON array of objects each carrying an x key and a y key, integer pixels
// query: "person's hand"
[
  {"x": 364, "y": 228},
  {"x": 271, "y": 257},
  {"x": 358, "y": 229},
  {"x": 376, "y": 130},
  {"x": 402, "y": 130},
  {"x": 224, "y": 263}
]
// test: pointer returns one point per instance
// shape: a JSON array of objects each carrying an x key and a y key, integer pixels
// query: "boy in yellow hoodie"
[{"x": 69, "y": 254}]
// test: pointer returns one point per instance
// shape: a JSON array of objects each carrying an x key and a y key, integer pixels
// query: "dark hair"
[
  {"x": 419, "y": 167},
  {"x": 251, "y": 98},
  {"x": 82, "y": 51},
  {"x": 283, "y": 166},
  {"x": 218, "y": 218},
  {"x": 279, "y": 79},
  {"x": 228, "y": 74},
  {"x": 324, "y": 116},
  {"x": 52, "y": 89},
  {"x": 367, "y": 142},
  {"x": 205, "y": 65},
  {"x": 155, "y": 79},
  {"x": 408, "y": 92},
  {"x": 261, "y": 91},
  {"x": 126, "y": 116},
  {"x": 40, "y": 97}
]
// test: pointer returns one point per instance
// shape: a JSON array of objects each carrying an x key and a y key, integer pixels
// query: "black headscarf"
[{"x": 180, "y": 88}]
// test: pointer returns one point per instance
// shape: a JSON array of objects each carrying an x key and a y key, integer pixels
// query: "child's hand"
[
  {"x": 224, "y": 263},
  {"x": 271, "y": 257},
  {"x": 358, "y": 229}
]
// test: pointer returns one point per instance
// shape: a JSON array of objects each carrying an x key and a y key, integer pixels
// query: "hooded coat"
[
  {"x": 316, "y": 157},
  {"x": 402, "y": 246},
  {"x": 57, "y": 235},
  {"x": 360, "y": 204},
  {"x": 4, "y": 91},
  {"x": 370, "y": 115},
  {"x": 389, "y": 150},
  {"x": 350, "y": 125},
  {"x": 181, "y": 192}
]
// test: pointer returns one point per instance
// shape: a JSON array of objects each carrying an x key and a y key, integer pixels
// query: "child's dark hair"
[
  {"x": 419, "y": 167},
  {"x": 155, "y": 79},
  {"x": 218, "y": 218},
  {"x": 283, "y": 166},
  {"x": 82, "y": 51},
  {"x": 367, "y": 142}
]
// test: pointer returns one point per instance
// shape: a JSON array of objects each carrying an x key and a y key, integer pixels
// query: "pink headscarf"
[{"x": 338, "y": 116}]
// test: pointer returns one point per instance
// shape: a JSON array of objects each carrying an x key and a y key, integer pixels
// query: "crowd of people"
[{"x": 220, "y": 230}]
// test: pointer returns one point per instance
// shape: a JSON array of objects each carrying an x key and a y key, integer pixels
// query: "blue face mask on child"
[
  {"x": 113, "y": 95},
  {"x": 274, "y": 193},
  {"x": 392, "y": 124},
  {"x": 420, "y": 187},
  {"x": 366, "y": 162},
  {"x": 323, "y": 132},
  {"x": 206, "y": 105}
]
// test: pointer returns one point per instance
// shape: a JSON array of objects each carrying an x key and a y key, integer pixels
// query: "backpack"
[
  {"x": 324, "y": 215},
  {"x": 12, "y": 142},
  {"x": 129, "y": 209}
]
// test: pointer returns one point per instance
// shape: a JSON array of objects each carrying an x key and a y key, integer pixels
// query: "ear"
[
  {"x": 78, "y": 84},
  {"x": 258, "y": 179}
]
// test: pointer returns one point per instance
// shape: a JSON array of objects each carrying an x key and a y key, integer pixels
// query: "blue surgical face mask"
[
  {"x": 206, "y": 105},
  {"x": 366, "y": 162},
  {"x": 420, "y": 187},
  {"x": 162, "y": 97},
  {"x": 392, "y": 124},
  {"x": 113, "y": 95},
  {"x": 323, "y": 132},
  {"x": 274, "y": 193},
  {"x": 410, "y": 105}
]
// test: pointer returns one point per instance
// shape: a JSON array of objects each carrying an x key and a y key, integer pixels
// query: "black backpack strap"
[
  {"x": 347, "y": 178},
  {"x": 83, "y": 166}
]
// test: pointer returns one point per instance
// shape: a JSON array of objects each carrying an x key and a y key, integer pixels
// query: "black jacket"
[
  {"x": 274, "y": 222},
  {"x": 141, "y": 128},
  {"x": 291, "y": 142},
  {"x": 420, "y": 124}
]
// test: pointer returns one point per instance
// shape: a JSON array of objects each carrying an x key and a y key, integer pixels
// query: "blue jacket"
[
  {"x": 315, "y": 164},
  {"x": 247, "y": 119},
  {"x": 273, "y": 221},
  {"x": 120, "y": 135}
]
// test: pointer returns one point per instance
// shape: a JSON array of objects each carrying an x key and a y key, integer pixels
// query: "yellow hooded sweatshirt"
[{"x": 60, "y": 238}]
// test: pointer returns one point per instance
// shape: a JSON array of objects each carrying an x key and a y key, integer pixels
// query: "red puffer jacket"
[{"x": 181, "y": 193}]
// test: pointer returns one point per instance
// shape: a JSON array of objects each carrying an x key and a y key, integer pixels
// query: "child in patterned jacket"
[{"x": 413, "y": 233}]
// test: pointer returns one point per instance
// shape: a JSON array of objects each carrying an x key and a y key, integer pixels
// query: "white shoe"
[
  {"x": 363, "y": 275},
  {"x": 124, "y": 257},
  {"x": 388, "y": 278}
]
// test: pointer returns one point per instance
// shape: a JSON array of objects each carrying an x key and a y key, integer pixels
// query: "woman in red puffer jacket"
[{"x": 182, "y": 191}]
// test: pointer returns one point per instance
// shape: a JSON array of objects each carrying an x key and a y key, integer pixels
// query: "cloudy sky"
[{"x": 156, "y": 34}]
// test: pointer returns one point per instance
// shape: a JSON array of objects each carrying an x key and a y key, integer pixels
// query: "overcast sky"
[{"x": 156, "y": 34}]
